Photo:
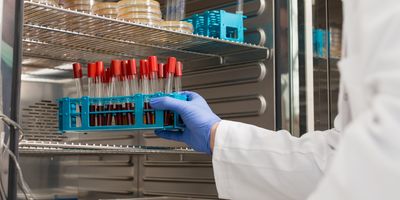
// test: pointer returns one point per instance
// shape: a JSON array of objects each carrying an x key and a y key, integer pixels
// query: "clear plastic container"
[
  {"x": 152, "y": 3},
  {"x": 175, "y": 10},
  {"x": 179, "y": 26}
]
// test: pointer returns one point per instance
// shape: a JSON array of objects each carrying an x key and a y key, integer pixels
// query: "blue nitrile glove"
[{"x": 197, "y": 116}]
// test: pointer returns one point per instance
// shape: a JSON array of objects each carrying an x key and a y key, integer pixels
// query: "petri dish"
[
  {"x": 79, "y": 7},
  {"x": 108, "y": 11},
  {"x": 148, "y": 16},
  {"x": 104, "y": 5},
  {"x": 151, "y": 3},
  {"x": 140, "y": 14},
  {"x": 139, "y": 9},
  {"x": 72, "y": 2},
  {"x": 184, "y": 30},
  {"x": 51, "y": 2},
  {"x": 177, "y": 24}
]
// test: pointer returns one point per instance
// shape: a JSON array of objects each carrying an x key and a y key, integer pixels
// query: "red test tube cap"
[
  {"x": 131, "y": 68},
  {"x": 179, "y": 68},
  {"x": 124, "y": 65},
  {"x": 165, "y": 70},
  {"x": 171, "y": 64},
  {"x": 77, "y": 70},
  {"x": 116, "y": 67},
  {"x": 143, "y": 67},
  {"x": 91, "y": 70},
  {"x": 104, "y": 77},
  {"x": 108, "y": 75},
  {"x": 153, "y": 64},
  {"x": 161, "y": 70},
  {"x": 99, "y": 68}
]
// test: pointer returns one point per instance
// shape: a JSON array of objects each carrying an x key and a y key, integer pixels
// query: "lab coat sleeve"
[
  {"x": 254, "y": 163},
  {"x": 367, "y": 163}
]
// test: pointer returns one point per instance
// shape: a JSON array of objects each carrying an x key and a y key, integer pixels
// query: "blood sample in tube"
[{"x": 91, "y": 91}]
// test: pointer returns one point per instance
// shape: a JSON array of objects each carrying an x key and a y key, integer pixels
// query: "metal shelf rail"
[
  {"x": 50, "y": 27},
  {"x": 48, "y": 147}
]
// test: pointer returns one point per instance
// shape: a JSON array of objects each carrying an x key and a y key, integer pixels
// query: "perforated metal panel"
[{"x": 40, "y": 121}]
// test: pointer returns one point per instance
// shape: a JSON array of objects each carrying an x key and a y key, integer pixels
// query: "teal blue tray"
[{"x": 75, "y": 114}]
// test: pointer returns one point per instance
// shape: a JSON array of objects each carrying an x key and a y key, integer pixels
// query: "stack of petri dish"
[
  {"x": 108, "y": 9},
  {"x": 179, "y": 26},
  {"x": 140, "y": 11},
  {"x": 79, "y": 5}
]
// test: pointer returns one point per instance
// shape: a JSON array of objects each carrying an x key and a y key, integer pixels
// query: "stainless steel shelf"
[
  {"x": 64, "y": 34},
  {"x": 45, "y": 147}
]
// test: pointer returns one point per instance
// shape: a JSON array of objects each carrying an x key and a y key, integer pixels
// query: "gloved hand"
[{"x": 197, "y": 116}]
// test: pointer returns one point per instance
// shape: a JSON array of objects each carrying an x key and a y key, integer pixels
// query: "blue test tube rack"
[
  {"x": 74, "y": 113},
  {"x": 219, "y": 24}
]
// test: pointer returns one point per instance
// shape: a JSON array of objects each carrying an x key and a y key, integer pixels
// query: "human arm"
[
  {"x": 263, "y": 163},
  {"x": 367, "y": 163}
]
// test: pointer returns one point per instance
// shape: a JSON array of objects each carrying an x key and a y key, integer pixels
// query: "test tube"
[
  {"x": 112, "y": 88},
  {"x": 169, "y": 79},
  {"x": 178, "y": 84},
  {"x": 168, "y": 12},
  {"x": 132, "y": 77},
  {"x": 144, "y": 75},
  {"x": 178, "y": 77},
  {"x": 134, "y": 89},
  {"x": 92, "y": 91},
  {"x": 161, "y": 74},
  {"x": 77, "y": 68},
  {"x": 180, "y": 10},
  {"x": 117, "y": 90},
  {"x": 78, "y": 79},
  {"x": 99, "y": 91},
  {"x": 125, "y": 91},
  {"x": 239, "y": 9},
  {"x": 144, "y": 78},
  {"x": 153, "y": 67},
  {"x": 106, "y": 93}
]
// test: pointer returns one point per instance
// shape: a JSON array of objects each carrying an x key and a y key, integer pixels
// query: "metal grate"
[
  {"x": 85, "y": 148},
  {"x": 40, "y": 121},
  {"x": 95, "y": 35}
]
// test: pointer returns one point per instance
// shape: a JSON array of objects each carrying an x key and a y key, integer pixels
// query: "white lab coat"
[{"x": 360, "y": 157}]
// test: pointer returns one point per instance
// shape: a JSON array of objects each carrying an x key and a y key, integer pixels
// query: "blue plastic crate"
[
  {"x": 75, "y": 113},
  {"x": 219, "y": 24},
  {"x": 319, "y": 43}
]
